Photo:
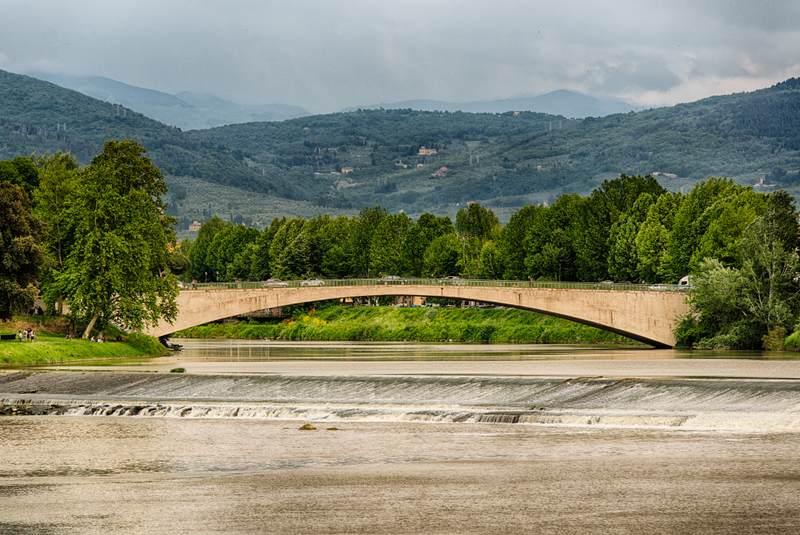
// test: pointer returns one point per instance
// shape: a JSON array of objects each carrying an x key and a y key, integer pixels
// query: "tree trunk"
[{"x": 90, "y": 327}]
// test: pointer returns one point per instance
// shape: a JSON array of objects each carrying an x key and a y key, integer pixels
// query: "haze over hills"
[
  {"x": 563, "y": 102},
  {"x": 413, "y": 160},
  {"x": 185, "y": 110}
]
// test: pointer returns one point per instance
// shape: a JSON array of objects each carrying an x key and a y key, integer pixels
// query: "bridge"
[{"x": 648, "y": 313}]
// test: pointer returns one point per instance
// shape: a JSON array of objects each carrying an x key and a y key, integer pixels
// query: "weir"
[
  {"x": 741, "y": 404},
  {"x": 645, "y": 313}
]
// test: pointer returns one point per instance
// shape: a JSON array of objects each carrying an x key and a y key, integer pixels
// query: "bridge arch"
[{"x": 631, "y": 310}]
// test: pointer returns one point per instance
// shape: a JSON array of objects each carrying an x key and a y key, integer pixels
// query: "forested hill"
[
  {"x": 511, "y": 159},
  {"x": 38, "y": 116},
  {"x": 362, "y": 158}
]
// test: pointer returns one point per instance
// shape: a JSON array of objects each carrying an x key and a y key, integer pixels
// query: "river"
[{"x": 406, "y": 439}]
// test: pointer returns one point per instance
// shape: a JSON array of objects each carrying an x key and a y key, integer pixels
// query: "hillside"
[
  {"x": 185, "y": 110},
  {"x": 516, "y": 158},
  {"x": 345, "y": 161}
]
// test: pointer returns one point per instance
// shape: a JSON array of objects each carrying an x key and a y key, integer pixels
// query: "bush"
[
  {"x": 792, "y": 342},
  {"x": 146, "y": 344},
  {"x": 774, "y": 340}
]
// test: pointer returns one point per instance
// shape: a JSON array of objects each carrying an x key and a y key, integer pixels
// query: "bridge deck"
[{"x": 644, "y": 312}]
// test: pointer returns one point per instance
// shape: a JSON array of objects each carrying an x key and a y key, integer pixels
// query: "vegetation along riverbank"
[
  {"x": 390, "y": 324},
  {"x": 52, "y": 347}
]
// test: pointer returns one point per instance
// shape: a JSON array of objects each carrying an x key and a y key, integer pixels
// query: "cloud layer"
[{"x": 326, "y": 55}]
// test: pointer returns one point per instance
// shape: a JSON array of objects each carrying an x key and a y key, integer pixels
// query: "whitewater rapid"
[{"x": 697, "y": 404}]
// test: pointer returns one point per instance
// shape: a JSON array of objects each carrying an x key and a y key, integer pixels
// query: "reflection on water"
[{"x": 347, "y": 358}]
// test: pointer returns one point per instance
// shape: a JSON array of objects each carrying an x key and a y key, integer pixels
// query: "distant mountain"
[
  {"x": 416, "y": 160},
  {"x": 184, "y": 110},
  {"x": 571, "y": 104}
]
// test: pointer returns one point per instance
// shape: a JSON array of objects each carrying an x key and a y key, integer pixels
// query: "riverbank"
[
  {"x": 52, "y": 347},
  {"x": 393, "y": 324}
]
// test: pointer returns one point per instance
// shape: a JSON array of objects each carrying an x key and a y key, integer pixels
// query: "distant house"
[
  {"x": 439, "y": 173},
  {"x": 346, "y": 170},
  {"x": 194, "y": 226},
  {"x": 425, "y": 151}
]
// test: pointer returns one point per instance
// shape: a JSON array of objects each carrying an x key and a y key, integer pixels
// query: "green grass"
[
  {"x": 51, "y": 347},
  {"x": 470, "y": 325}
]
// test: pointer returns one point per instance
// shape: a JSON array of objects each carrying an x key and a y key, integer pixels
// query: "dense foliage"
[
  {"x": 383, "y": 323},
  {"x": 739, "y": 245},
  {"x": 364, "y": 158},
  {"x": 94, "y": 238}
]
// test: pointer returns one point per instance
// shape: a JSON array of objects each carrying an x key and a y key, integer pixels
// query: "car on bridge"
[
  {"x": 312, "y": 282},
  {"x": 274, "y": 283}
]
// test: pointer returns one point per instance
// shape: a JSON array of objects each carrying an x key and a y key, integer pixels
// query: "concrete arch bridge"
[{"x": 645, "y": 313}]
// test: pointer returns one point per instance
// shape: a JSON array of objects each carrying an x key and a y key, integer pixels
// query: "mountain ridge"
[
  {"x": 422, "y": 161},
  {"x": 186, "y": 110}
]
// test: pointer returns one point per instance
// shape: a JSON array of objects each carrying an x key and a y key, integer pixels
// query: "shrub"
[
  {"x": 146, "y": 344},
  {"x": 774, "y": 340}
]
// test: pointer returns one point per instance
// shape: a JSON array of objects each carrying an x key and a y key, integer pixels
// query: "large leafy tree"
[
  {"x": 116, "y": 270},
  {"x": 361, "y": 239},
  {"x": 198, "y": 255},
  {"x": 386, "y": 250},
  {"x": 689, "y": 225},
  {"x": 475, "y": 221},
  {"x": 652, "y": 238},
  {"x": 442, "y": 256},
  {"x": 511, "y": 239},
  {"x": 21, "y": 256},
  {"x": 622, "y": 255},
  {"x": 426, "y": 229},
  {"x": 599, "y": 213},
  {"x": 20, "y": 171},
  {"x": 550, "y": 240}
]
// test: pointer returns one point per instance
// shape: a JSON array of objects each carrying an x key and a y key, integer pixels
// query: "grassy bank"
[
  {"x": 471, "y": 325},
  {"x": 51, "y": 347}
]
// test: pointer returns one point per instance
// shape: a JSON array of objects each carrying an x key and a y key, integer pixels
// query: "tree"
[
  {"x": 57, "y": 185},
  {"x": 725, "y": 221},
  {"x": 20, "y": 171},
  {"x": 442, "y": 256},
  {"x": 622, "y": 255},
  {"x": 770, "y": 272},
  {"x": 21, "y": 256},
  {"x": 117, "y": 269},
  {"x": 598, "y": 214},
  {"x": 290, "y": 250},
  {"x": 491, "y": 261},
  {"x": 475, "y": 221},
  {"x": 426, "y": 229},
  {"x": 228, "y": 255},
  {"x": 512, "y": 236},
  {"x": 652, "y": 238},
  {"x": 361, "y": 239},
  {"x": 689, "y": 225},
  {"x": 198, "y": 255},
  {"x": 386, "y": 251},
  {"x": 550, "y": 238},
  {"x": 260, "y": 268}
]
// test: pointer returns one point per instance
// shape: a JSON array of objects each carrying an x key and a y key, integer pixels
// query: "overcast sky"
[{"x": 326, "y": 55}]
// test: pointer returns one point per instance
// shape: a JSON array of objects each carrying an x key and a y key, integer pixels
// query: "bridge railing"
[{"x": 450, "y": 281}]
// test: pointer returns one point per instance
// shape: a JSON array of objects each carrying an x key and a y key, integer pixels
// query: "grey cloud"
[{"x": 325, "y": 55}]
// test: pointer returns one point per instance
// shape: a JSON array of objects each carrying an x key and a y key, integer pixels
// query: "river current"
[{"x": 403, "y": 439}]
